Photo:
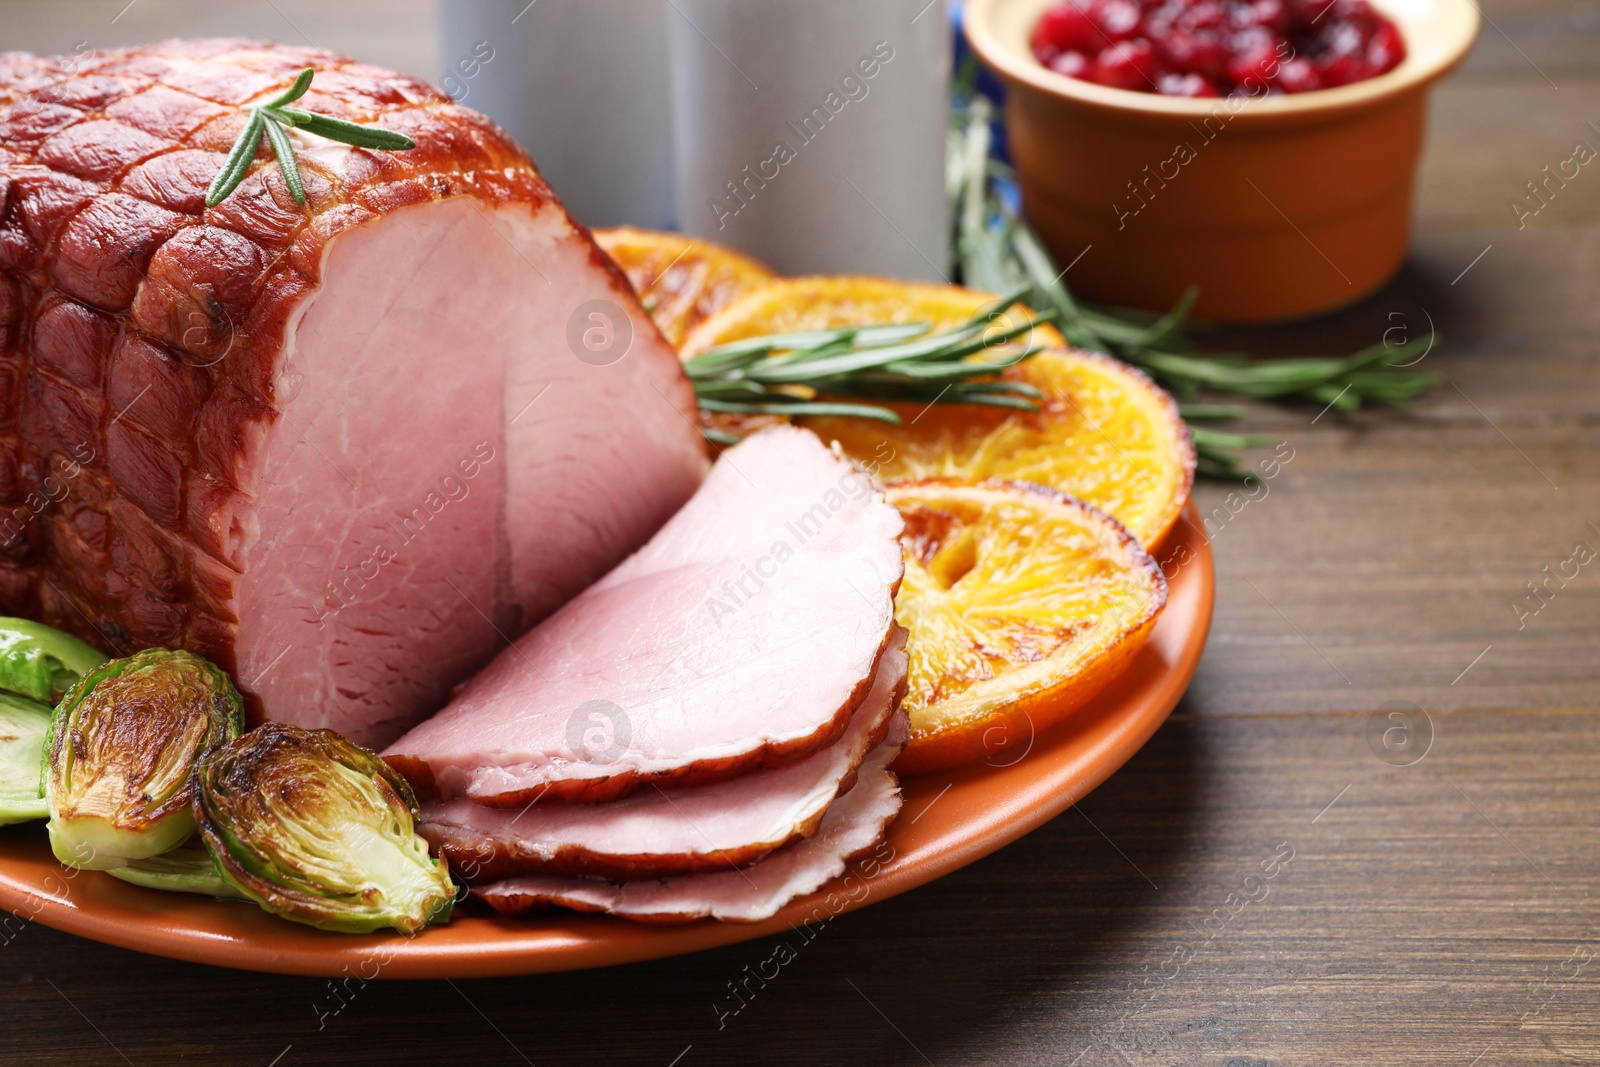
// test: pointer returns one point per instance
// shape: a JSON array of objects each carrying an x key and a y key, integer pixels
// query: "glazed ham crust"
[{"x": 143, "y": 336}]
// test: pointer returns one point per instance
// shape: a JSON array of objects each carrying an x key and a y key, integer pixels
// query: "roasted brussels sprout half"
[
  {"x": 317, "y": 829},
  {"x": 188, "y": 868},
  {"x": 24, "y": 724},
  {"x": 40, "y": 662},
  {"x": 124, "y": 745}
]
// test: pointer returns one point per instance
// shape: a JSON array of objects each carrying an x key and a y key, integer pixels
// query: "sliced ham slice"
[
  {"x": 777, "y": 488},
  {"x": 854, "y": 824},
  {"x": 698, "y": 828},
  {"x": 744, "y": 635}
]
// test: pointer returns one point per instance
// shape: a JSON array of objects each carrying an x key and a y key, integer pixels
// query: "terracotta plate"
[{"x": 950, "y": 819}]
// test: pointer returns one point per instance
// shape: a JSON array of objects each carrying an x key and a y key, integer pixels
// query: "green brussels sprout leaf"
[
  {"x": 122, "y": 752},
  {"x": 317, "y": 829},
  {"x": 24, "y": 724},
  {"x": 40, "y": 662},
  {"x": 188, "y": 868}
]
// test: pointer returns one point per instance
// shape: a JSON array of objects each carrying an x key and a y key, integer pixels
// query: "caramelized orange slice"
[
  {"x": 680, "y": 280},
  {"x": 1022, "y": 603}
]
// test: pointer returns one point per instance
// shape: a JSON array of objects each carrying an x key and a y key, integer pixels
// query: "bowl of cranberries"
[
  {"x": 1262, "y": 150},
  {"x": 1206, "y": 48}
]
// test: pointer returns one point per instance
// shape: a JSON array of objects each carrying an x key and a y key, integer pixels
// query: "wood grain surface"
[{"x": 1257, "y": 887}]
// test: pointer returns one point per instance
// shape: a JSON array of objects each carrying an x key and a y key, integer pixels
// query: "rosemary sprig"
[
  {"x": 271, "y": 119},
  {"x": 995, "y": 249},
  {"x": 785, "y": 374}
]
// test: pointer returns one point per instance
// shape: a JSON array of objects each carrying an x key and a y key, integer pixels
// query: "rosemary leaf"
[
  {"x": 1209, "y": 438},
  {"x": 237, "y": 165},
  {"x": 1202, "y": 412},
  {"x": 729, "y": 387},
  {"x": 1170, "y": 323},
  {"x": 761, "y": 346},
  {"x": 801, "y": 407},
  {"x": 960, "y": 371},
  {"x": 340, "y": 130},
  {"x": 1018, "y": 388},
  {"x": 302, "y": 82},
  {"x": 286, "y": 161},
  {"x": 800, "y": 367},
  {"x": 949, "y": 345},
  {"x": 996, "y": 401}
]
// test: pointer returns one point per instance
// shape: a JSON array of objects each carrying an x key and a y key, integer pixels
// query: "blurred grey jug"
[
  {"x": 582, "y": 85},
  {"x": 810, "y": 134}
]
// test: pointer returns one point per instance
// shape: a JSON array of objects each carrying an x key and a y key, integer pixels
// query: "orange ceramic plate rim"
[{"x": 950, "y": 819}]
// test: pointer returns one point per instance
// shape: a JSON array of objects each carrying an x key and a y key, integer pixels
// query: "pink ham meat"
[
  {"x": 744, "y": 634},
  {"x": 853, "y": 826},
  {"x": 698, "y": 828},
  {"x": 346, "y": 449}
]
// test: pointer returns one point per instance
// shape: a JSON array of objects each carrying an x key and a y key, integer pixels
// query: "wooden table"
[{"x": 1436, "y": 913}]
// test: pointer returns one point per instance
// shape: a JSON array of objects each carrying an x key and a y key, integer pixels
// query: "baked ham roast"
[
  {"x": 744, "y": 634},
  {"x": 346, "y": 449}
]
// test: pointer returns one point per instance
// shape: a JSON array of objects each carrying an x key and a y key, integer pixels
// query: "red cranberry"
[
  {"x": 1202, "y": 54},
  {"x": 1298, "y": 75},
  {"x": 1117, "y": 19},
  {"x": 1341, "y": 39},
  {"x": 1155, "y": 26},
  {"x": 1358, "y": 12},
  {"x": 1072, "y": 64},
  {"x": 1341, "y": 70},
  {"x": 1125, "y": 65},
  {"x": 1066, "y": 27},
  {"x": 1385, "y": 50},
  {"x": 1164, "y": 13},
  {"x": 1184, "y": 85},
  {"x": 1264, "y": 13},
  {"x": 1342, "y": 58},
  {"x": 1306, "y": 15},
  {"x": 1254, "y": 59},
  {"x": 1204, "y": 15}
]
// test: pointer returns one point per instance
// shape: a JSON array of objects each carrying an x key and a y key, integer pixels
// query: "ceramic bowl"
[{"x": 1277, "y": 207}]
